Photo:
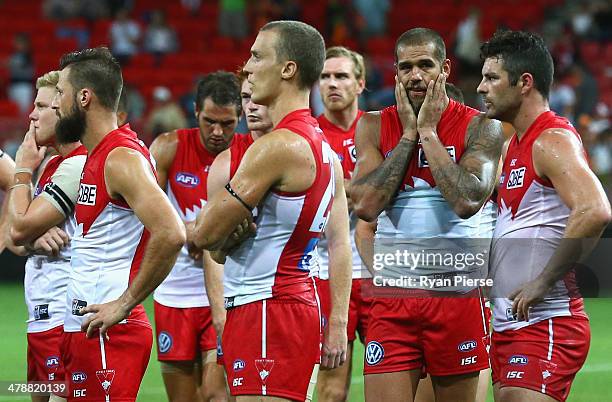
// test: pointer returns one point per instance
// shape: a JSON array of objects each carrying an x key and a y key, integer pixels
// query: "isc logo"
[
  {"x": 466, "y": 361},
  {"x": 516, "y": 177},
  {"x": 237, "y": 381},
  {"x": 515, "y": 374},
  {"x": 187, "y": 180},
  {"x": 87, "y": 194}
]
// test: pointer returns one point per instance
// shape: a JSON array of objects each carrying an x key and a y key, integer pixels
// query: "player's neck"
[
  {"x": 529, "y": 111},
  {"x": 99, "y": 125},
  {"x": 342, "y": 118},
  {"x": 65, "y": 149},
  {"x": 287, "y": 102},
  {"x": 255, "y": 134}
]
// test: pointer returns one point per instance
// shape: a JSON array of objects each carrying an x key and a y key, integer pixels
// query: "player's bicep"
[
  {"x": 7, "y": 169},
  {"x": 129, "y": 176},
  {"x": 218, "y": 175},
  {"x": 367, "y": 146},
  {"x": 163, "y": 151},
  {"x": 337, "y": 229}
]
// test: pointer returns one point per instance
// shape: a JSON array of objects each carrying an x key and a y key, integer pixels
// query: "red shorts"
[
  {"x": 182, "y": 333},
  {"x": 543, "y": 357},
  {"x": 448, "y": 335},
  {"x": 97, "y": 368},
  {"x": 359, "y": 308},
  {"x": 44, "y": 358},
  {"x": 271, "y": 347}
]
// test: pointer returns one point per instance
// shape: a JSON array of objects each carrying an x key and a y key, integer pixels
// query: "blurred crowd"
[{"x": 578, "y": 33}]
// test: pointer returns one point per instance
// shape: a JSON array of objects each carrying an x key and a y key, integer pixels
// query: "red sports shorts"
[
  {"x": 543, "y": 357},
  {"x": 182, "y": 333},
  {"x": 45, "y": 362},
  {"x": 448, "y": 335},
  {"x": 97, "y": 368},
  {"x": 271, "y": 347},
  {"x": 359, "y": 308}
]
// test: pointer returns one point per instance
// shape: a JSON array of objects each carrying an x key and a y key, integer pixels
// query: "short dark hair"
[
  {"x": 423, "y": 36},
  {"x": 522, "y": 52},
  {"x": 222, "y": 87},
  {"x": 303, "y": 44},
  {"x": 96, "y": 69}
]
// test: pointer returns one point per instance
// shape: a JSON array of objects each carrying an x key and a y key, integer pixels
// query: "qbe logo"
[
  {"x": 164, "y": 342},
  {"x": 374, "y": 353},
  {"x": 87, "y": 194},
  {"x": 516, "y": 178},
  {"x": 239, "y": 364},
  {"x": 467, "y": 346}
]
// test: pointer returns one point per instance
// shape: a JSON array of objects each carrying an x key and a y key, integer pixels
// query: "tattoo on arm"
[
  {"x": 388, "y": 176},
  {"x": 471, "y": 181}
]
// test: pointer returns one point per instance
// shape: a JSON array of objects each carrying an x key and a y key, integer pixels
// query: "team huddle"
[{"x": 260, "y": 248}]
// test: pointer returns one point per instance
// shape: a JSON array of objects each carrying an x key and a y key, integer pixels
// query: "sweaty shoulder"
[
  {"x": 368, "y": 128},
  {"x": 163, "y": 149},
  {"x": 481, "y": 127}
]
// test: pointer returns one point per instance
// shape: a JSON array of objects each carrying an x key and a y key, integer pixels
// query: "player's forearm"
[
  {"x": 159, "y": 257},
  {"x": 22, "y": 230},
  {"x": 340, "y": 270},
  {"x": 364, "y": 241},
  {"x": 371, "y": 193},
  {"x": 584, "y": 228},
  {"x": 213, "y": 279},
  {"x": 462, "y": 189}
]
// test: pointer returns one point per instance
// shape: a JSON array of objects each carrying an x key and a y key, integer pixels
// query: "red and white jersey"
[
  {"x": 186, "y": 189},
  {"x": 46, "y": 278},
  {"x": 342, "y": 143},
  {"x": 532, "y": 220},
  {"x": 239, "y": 146},
  {"x": 419, "y": 212},
  {"x": 278, "y": 260},
  {"x": 109, "y": 240}
]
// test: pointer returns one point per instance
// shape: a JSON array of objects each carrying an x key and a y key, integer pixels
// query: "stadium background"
[{"x": 180, "y": 40}]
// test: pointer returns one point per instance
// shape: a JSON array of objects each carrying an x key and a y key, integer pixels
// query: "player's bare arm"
[
  {"x": 281, "y": 160},
  {"x": 7, "y": 170},
  {"x": 468, "y": 184},
  {"x": 364, "y": 241},
  {"x": 218, "y": 176},
  {"x": 128, "y": 176},
  {"x": 163, "y": 150},
  {"x": 340, "y": 270},
  {"x": 559, "y": 156},
  {"x": 30, "y": 219},
  {"x": 376, "y": 180}
]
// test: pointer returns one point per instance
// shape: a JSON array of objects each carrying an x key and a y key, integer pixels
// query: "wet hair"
[
  {"x": 222, "y": 87},
  {"x": 98, "y": 70},
  {"x": 356, "y": 58},
  {"x": 522, "y": 52},
  {"x": 423, "y": 36},
  {"x": 301, "y": 43}
]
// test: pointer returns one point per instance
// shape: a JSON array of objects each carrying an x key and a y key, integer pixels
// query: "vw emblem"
[
  {"x": 374, "y": 353},
  {"x": 164, "y": 342}
]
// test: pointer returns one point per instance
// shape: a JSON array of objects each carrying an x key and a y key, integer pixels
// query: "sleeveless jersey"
[
  {"x": 186, "y": 188},
  {"x": 46, "y": 277},
  {"x": 343, "y": 144},
  {"x": 532, "y": 220},
  {"x": 418, "y": 221},
  {"x": 109, "y": 240},
  {"x": 278, "y": 260},
  {"x": 239, "y": 146}
]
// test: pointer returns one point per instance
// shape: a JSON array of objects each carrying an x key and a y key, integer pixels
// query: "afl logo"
[
  {"x": 164, "y": 342},
  {"x": 239, "y": 364},
  {"x": 518, "y": 360},
  {"x": 79, "y": 377},
  {"x": 187, "y": 179},
  {"x": 52, "y": 362},
  {"x": 467, "y": 346},
  {"x": 374, "y": 353}
]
